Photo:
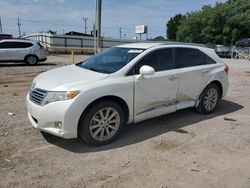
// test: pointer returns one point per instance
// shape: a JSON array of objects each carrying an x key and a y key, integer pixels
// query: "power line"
[
  {"x": 48, "y": 24},
  {"x": 9, "y": 29}
]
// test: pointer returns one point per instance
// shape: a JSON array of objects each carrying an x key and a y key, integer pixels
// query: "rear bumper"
[
  {"x": 225, "y": 90},
  {"x": 43, "y": 59},
  {"x": 225, "y": 85}
]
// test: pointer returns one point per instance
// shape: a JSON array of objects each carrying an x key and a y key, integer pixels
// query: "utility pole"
[
  {"x": 120, "y": 32},
  {"x": 19, "y": 26},
  {"x": 98, "y": 23},
  {"x": 94, "y": 36},
  {"x": 1, "y": 29},
  {"x": 85, "y": 24}
]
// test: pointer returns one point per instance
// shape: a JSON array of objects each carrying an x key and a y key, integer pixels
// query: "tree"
[
  {"x": 224, "y": 23},
  {"x": 159, "y": 38},
  {"x": 52, "y": 32},
  {"x": 172, "y": 26}
]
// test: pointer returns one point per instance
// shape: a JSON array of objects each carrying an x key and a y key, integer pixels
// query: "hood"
[{"x": 64, "y": 78}]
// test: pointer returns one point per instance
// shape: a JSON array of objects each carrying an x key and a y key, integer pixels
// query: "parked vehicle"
[
  {"x": 5, "y": 36},
  {"x": 125, "y": 84},
  {"x": 22, "y": 51},
  {"x": 224, "y": 51},
  {"x": 243, "y": 42}
]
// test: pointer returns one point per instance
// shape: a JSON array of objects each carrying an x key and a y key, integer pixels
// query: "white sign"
[{"x": 141, "y": 29}]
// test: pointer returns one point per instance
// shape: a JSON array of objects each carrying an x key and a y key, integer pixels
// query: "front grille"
[{"x": 37, "y": 95}]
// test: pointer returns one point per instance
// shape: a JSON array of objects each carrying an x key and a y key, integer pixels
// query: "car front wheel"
[
  {"x": 209, "y": 99},
  {"x": 102, "y": 123}
]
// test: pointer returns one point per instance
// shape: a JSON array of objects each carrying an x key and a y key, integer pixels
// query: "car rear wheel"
[
  {"x": 31, "y": 60},
  {"x": 209, "y": 99},
  {"x": 102, "y": 123}
]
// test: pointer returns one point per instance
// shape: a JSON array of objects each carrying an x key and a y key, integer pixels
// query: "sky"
[{"x": 67, "y": 15}]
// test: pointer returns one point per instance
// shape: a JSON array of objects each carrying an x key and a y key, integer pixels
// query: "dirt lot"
[{"x": 183, "y": 149}]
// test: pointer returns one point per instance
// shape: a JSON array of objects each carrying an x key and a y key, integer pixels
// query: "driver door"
[
  {"x": 3, "y": 51},
  {"x": 155, "y": 95}
]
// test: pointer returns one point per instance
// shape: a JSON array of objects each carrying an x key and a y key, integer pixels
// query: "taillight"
[{"x": 226, "y": 69}]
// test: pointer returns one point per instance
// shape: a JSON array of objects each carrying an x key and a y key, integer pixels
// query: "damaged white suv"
[{"x": 126, "y": 84}]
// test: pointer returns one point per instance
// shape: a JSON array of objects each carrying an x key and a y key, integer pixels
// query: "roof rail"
[{"x": 183, "y": 43}]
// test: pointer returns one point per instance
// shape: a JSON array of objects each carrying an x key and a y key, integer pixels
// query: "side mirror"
[{"x": 147, "y": 70}]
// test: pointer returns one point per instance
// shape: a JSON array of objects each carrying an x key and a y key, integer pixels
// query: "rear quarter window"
[{"x": 40, "y": 45}]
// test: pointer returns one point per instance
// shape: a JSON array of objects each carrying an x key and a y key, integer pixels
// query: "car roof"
[
  {"x": 139, "y": 45},
  {"x": 147, "y": 45},
  {"x": 17, "y": 40}
]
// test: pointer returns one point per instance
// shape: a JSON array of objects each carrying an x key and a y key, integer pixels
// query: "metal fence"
[
  {"x": 241, "y": 53},
  {"x": 67, "y": 43}
]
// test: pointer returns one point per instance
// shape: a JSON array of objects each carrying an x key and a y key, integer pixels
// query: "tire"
[
  {"x": 102, "y": 123},
  {"x": 209, "y": 99},
  {"x": 31, "y": 60}
]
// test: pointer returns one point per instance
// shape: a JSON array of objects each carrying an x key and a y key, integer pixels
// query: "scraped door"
[{"x": 155, "y": 95}]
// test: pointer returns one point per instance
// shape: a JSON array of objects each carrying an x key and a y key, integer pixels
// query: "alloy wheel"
[
  {"x": 104, "y": 124},
  {"x": 31, "y": 60},
  {"x": 210, "y": 99}
]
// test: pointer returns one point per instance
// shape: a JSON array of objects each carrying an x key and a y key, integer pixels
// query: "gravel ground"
[{"x": 183, "y": 149}]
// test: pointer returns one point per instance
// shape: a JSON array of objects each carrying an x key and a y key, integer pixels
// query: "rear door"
[
  {"x": 19, "y": 50},
  {"x": 195, "y": 70}
]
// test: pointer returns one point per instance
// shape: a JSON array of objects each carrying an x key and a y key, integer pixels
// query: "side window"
[
  {"x": 2, "y": 45},
  {"x": 160, "y": 60},
  {"x": 26, "y": 44},
  {"x": 188, "y": 57},
  {"x": 15, "y": 45},
  {"x": 21, "y": 45},
  {"x": 9, "y": 45},
  {"x": 5, "y": 45},
  {"x": 209, "y": 60}
]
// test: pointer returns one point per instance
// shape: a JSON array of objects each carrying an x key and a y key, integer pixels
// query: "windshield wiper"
[{"x": 93, "y": 69}]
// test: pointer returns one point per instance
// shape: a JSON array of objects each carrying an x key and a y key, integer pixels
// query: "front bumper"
[{"x": 45, "y": 117}]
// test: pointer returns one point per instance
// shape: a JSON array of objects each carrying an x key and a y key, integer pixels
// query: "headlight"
[
  {"x": 53, "y": 96},
  {"x": 33, "y": 85}
]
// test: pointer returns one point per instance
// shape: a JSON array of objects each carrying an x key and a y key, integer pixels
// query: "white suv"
[
  {"x": 126, "y": 84},
  {"x": 22, "y": 51}
]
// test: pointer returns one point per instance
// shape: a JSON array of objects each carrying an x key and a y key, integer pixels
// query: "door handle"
[
  {"x": 174, "y": 77},
  {"x": 205, "y": 71}
]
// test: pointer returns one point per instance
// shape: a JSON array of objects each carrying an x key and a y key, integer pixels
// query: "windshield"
[{"x": 110, "y": 60}]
